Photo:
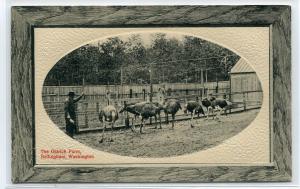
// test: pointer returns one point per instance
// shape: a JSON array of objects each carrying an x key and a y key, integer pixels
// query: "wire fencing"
[{"x": 88, "y": 108}]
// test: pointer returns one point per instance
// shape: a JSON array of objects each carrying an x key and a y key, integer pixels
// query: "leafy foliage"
[{"x": 165, "y": 59}]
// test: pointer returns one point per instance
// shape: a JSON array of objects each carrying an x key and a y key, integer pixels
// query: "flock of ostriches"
[{"x": 146, "y": 110}]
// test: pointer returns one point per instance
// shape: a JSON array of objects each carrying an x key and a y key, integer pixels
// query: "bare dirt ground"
[{"x": 167, "y": 142}]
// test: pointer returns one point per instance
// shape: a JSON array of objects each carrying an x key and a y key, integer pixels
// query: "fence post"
[
  {"x": 127, "y": 124},
  {"x": 86, "y": 124},
  {"x": 76, "y": 120},
  {"x": 201, "y": 93},
  {"x": 85, "y": 115},
  {"x": 144, "y": 94},
  {"x": 225, "y": 98},
  {"x": 230, "y": 91},
  {"x": 97, "y": 107},
  {"x": 58, "y": 92},
  {"x": 244, "y": 101},
  {"x": 230, "y": 101}
]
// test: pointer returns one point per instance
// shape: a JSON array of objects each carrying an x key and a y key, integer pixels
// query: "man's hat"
[{"x": 71, "y": 93}]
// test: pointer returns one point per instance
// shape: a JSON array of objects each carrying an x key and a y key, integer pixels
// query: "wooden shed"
[{"x": 244, "y": 83}]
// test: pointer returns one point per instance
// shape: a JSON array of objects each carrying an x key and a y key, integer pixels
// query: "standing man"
[{"x": 70, "y": 113}]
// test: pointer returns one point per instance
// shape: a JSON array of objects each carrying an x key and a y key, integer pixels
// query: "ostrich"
[
  {"x": 159, "y": 108},
  {"x": 145, "y": 110},
  {"x": 131, "y": 109},
  {"x": 213, "y": 104},
  {"x": 194, "y": 107},
  {"x": 108, "y": 114},
  {"x": 171, "y": 106},
  {"x": 208, "y": 105}
]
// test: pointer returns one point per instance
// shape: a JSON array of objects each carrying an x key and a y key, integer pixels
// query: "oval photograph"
[{"x": 152, "y": 94}]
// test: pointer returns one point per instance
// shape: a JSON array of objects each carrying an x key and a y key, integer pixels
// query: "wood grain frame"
[{"x": 24, "y": 19}]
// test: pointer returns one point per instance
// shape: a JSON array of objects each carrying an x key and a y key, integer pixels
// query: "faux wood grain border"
[{"x": 278, "y": 18}]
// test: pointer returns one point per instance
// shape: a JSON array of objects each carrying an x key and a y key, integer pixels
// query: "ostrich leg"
[
  {"x": 219, "y": 114},
  {"x": 132, "y": 126},
  {"x": 141, "y": 127},
  {"x": 167, "y": 118},
  {"x": 159, "y": 121},
  {"x": 208, "y": 110},
  {"x": 155, "y": 121},
  {"x": 213, "y": 113},
  {"x": 102, "y": 139},
  {"x": 173, "y": 119},
  {"x": 112, "y": 132},
  {"x": 192, "y": 118}
]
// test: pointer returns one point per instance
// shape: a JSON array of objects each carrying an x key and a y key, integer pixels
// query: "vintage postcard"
[{"x": 161, "y": 96}]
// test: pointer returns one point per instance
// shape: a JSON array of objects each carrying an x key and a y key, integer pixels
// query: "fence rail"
[
  {"x": 98, "y": 92},
  {"x": 87, "y": 109}
]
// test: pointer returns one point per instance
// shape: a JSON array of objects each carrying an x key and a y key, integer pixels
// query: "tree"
[{"x": 170, "y": 59}]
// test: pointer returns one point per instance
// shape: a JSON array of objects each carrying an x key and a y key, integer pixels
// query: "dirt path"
[{"x": 167, "y": 142}]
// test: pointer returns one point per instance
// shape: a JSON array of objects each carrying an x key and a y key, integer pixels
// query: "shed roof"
[{"x": 242, "y": 66}]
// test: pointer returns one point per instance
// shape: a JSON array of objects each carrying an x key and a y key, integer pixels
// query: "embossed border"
[{"x": 25, "y": 18}]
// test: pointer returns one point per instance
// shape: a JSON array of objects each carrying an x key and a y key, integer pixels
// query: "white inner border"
[
  {"x": 5, "y": 115},
  {"x": 250, "y": 146}
]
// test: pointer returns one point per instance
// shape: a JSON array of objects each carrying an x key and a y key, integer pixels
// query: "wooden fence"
[
  {"x": 98, "y": 92},
  {"x": 88, "y": 108}
]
